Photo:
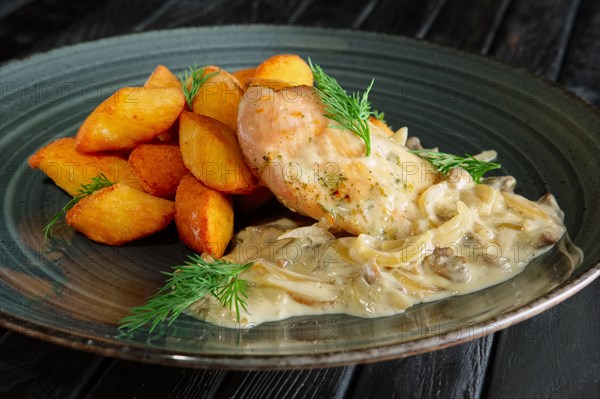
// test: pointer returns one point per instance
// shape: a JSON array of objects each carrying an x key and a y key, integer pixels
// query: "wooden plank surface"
[
  {"x": 455, "y": 372},
  {"x": 30, "y": 368},
  {"x": 543, "y": 356},
  {"x": 581, "y": 70},
  {"x": 535, "y": 35},
  {"x": 124, "y": 379},
  {"x": 25, "y": 23},
  {"x": 467, "y": 24},
  {"x": 558, "y": 39},
  {"x": 311, "y": 383}
]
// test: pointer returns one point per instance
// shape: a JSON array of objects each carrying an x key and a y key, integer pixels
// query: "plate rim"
[
  {"x": 124, "y": 350},
  {"x": 287, "y": 362}
]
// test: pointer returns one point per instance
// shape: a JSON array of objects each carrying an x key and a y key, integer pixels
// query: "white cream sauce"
[{"x": 464, "y": 237}]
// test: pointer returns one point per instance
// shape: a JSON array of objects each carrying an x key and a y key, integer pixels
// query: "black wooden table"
[{"x": 556, "y": 354}]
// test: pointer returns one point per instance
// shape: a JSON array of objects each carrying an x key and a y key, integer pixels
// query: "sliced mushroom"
[
  {"x": 502, "y": 183},
  {"x": 444, "y": 263},
  {"x": 315, "y": 234},
  {"x": 413, "y": 143},
  {"x": 370, "y": 271},
  {"x": 458, "y": 178}
]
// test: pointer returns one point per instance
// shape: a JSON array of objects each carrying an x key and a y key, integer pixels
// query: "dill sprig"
[
  {"x": 444, "y": 162},
  {"x": 188, "y": 284},
  {"x": 197, "y": 78},
  {"x": 379, "y": 115},
  {"x": 352, "y": 112},
  {"x": 97, "y": 183}
]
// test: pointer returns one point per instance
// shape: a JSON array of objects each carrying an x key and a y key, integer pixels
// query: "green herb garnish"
[
  {"x": 198, "y": 78},
  {"x": 379, "y": 115},
  {"x": 188, "y": 284},
  {"x": 352, "y": 112},
  {"x": 97, "y": 183},
  {"x": 444, "y": 162}
]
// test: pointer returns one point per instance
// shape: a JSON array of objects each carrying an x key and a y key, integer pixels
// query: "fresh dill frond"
[
  {"x": 352, "y": 112},
  {"x": 188, "y": 284},
  {"x": 379, "y": 115},
  {"x": 197, "y": 78},
  {"x": 97, "y": 183},
  {"x": 444, "y": 162}
]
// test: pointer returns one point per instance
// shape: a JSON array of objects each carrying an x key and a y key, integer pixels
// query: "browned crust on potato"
[{"x": 204, "y": 217}]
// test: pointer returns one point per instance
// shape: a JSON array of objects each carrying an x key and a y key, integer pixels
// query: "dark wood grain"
[
  {"x": 337, "y": 14},
  {"x": 409, "y": 18},
  {"x": 581, "y": 70},
  {"x": 136, "y": 380},
  {"x": 30, "y": 368},
  {"x": 313, "y": 383},
  {"x": 552, "y": 355},
  {"x": 455, "y": 372},
  {"x": 543, "y": 356},
  {"x": 467, "y": 24},
  {"x": 535, "y": 35},
  {"x": 117, "y": 17},
  {"x": 24, "y": 23}
]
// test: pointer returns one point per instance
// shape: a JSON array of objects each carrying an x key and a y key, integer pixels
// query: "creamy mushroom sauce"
[{"x": 464, "y": 237}]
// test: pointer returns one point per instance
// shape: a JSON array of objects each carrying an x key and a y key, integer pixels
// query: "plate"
[{"x": 72, "y": 291}]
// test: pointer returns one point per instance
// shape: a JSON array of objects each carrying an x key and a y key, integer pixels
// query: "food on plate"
[
  {"x": 163, "y": 77},
  {"x": 289, "y": 68},
  {"x": 159, "y": 167},
  {"x": 69, "y": 168},
  {"x": 211, "y": 152},
  {"x": 322, "y": 172},
  {"x": 131, "y": 116},
  {"x": 219, "y": 96},
  {"x": 204, "y": 217},
  {"x": 381, "y": 223},
  {"x": 118, "y": 214},
  {"x": 244, "y": 75}
]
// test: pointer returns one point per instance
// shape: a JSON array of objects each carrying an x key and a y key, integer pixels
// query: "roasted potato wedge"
[
  {"x": 70, "y": 168},
  {"x": 159, "y": 168},
  {"x": 163, "y": 77},
  {"x": 211, "y": 152},
  {"x": 288, "y": 68},
  {"x": 204, "y": 217},
  {"x": 118, "y": 214},
  {"x": 131, "y": 116},
  {"x": 243, "y": 75},
  {"x": 219, "y": 97}
]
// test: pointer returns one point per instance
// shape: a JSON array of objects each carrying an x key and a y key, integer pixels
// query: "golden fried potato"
[
  {"x": 269, "y": 83},
  {"x": 163, "y": 77},
  {"x": 131, "y": 116},
  {"x": 219, "y": 97},
  {"x": 243, "y": 75},
  {"x": 212, "y": 153},
  {"x": 254, "y": 199},
  {"x": 70, "y": 169},
  {"x": 382, "y": 125},
  {"x": 204, "y": 217},
  {"x": 289, "y": 68},
  {"x": 159, "y": 168},
  {"x": 118, "y": 214}
]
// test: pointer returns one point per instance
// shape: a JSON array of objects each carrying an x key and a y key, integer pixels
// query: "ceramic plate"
[{"x": 72, "y": 291}]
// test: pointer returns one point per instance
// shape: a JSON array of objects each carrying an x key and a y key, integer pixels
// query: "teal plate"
[{"x": 72, "y": 291}]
